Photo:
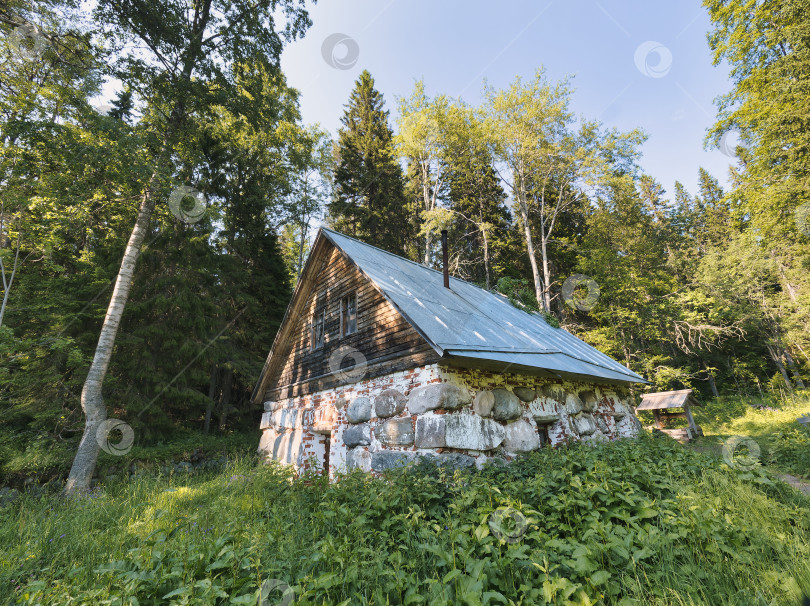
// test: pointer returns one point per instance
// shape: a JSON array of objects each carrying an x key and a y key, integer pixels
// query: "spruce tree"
[{"x": 368, "y": 195}]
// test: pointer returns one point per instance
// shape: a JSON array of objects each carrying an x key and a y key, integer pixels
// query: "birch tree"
[
  {"x": 523, "y": 120},
  {"x": 548, "y": 164},
  {"x": 186, "y": 59},
  {"x": 420, "y": 142}
]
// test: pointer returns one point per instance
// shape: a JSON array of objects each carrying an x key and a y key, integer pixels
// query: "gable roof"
[
  {"x": 466, "y": 325},
  {"x": 469, "y": 323},
  {"x": 667, "y": 399}
]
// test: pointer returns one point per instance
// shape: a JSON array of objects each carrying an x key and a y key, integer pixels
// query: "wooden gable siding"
[{"x": 388, "y": 342}]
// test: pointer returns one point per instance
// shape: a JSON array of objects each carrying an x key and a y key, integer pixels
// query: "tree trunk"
[
  {"x": 226, "y": 398},
  {"x": 212, "y": 392},
  {"x": 794, "y": 370},
  {"x": 7, "y": 285},
  {"x": 84, "y": 463},
  {"x": 486, "y": 256},
  {"x": 546, "y": 273},
  {"x": 428, "y": 207},
  {"x": 527, "y": 230},
  {"x": 303, "y": 227},
  {"x": 300, "y": 253},
  {"x": 791, "y": 289},
  {"x": 711, "y": 380},
  {"x": 777, "y": 359}
]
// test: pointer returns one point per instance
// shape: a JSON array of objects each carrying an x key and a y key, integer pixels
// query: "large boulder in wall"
[
  {"x": 588, "y": 398},
  {"x": 507, "y": 405},
  {"x": 483, "y": 403},
  {"x": 383, "y": 460},
  {"x": 471, "y": 432},
  {"x": 525, "y": 394},
  {"x": 395, "y": 432},
  {"x": 430, "y": 431},
  {"x": 358, "y": 458},
  {"x": 359, "y": 411},
  {"x": 520, "y": 436},
  {"x": 357, "y": 435},
  {"x": 389, "y": 403},
  {"x": 437, "y": 395}
]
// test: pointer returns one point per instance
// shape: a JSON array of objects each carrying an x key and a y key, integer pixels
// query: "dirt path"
[{"x": 796, "y": 483}]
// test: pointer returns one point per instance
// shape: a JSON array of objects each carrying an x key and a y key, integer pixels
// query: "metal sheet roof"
[
  {"x": 667, "y": 399},
  {"x": 468, "y": 323}
]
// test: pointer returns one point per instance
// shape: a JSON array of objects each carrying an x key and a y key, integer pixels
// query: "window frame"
[
  {"x": 318, "y": 318},
  {"x": 344, "y": 306}
]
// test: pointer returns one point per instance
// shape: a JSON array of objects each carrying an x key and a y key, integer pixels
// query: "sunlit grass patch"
[{"x": 784, "y": 443}]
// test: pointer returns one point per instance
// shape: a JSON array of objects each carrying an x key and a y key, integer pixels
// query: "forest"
[{"x": 150, "y": 247}]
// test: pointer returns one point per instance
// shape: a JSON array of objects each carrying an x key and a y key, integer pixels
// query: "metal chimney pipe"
[{"x": 445, "y": 268}]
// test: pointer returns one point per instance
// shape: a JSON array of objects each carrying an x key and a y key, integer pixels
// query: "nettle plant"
[{"x": 629, "y": 522}]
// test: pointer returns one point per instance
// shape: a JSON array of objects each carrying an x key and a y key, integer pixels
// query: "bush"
[{"x": 789, "y": 449}]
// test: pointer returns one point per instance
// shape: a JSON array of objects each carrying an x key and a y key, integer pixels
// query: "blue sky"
[{"x": 667, "y": 88}]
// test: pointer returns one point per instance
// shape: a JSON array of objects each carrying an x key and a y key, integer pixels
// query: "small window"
[
  {"x": 348, "y": 315},
  {"x": 317, "y": 330}
]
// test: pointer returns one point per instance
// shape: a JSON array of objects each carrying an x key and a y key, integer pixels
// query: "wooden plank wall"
[{"x": 388, "y": 342}]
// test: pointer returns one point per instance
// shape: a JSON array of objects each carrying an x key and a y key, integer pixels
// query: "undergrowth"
[
  {"x": 631, "y": 522},
  {"x": 783, "y": 442}
]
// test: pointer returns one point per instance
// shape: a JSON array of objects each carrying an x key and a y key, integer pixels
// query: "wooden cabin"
[
  {"x": 664, "y": 405},
  {"x": 380, "y": 360}
]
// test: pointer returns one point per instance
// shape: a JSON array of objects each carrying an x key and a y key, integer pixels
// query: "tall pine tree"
[{"x": 368, "y": 195}]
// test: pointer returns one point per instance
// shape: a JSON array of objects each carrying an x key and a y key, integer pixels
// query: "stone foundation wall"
[{"x": 464, "y": 417}]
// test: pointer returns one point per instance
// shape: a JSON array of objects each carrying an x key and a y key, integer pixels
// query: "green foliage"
[
  {"x": 630, "y": 522},
  {"x": 767, "y": 45},
  {"x": 790, "y": 449},
  {"x": 518, "y": 291}
]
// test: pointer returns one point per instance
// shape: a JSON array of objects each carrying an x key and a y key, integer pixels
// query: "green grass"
[
  {"x": 39, "y": 456},
  {"x": 784, "y": 444},
  {"x": 629, "y": 522}
]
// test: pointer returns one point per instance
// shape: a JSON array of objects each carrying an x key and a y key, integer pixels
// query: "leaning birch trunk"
[
  {"x": 7, "y": 285},
  {"x": 84, "y": 463},
  {"x": 486, "y": 254},
  {"x": 538, "y": 291},
  {"x": 426, "y": 199},
  {"x": 546, "y": 272}
]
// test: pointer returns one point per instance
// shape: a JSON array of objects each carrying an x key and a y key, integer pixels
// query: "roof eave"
[{"x": 467, "y": 361}]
